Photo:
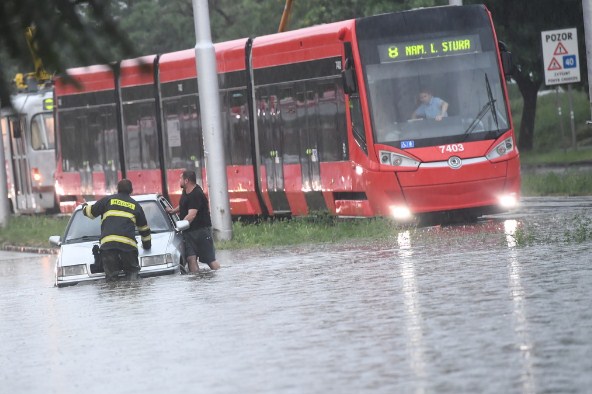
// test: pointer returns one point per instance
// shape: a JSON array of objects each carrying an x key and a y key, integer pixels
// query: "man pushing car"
[{"x": 120, "y": 215}]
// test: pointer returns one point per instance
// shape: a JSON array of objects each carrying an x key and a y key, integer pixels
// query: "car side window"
[{"x": 155, "y": 216}]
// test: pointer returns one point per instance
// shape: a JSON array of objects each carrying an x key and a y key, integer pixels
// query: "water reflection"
[
  {"x": 413, "y": 320},
  {"x": 521, "y": 327}
]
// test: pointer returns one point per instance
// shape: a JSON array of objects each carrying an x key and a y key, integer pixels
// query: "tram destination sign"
[{"x": 424, "y": 49}]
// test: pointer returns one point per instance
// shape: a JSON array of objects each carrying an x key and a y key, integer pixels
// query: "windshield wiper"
[
  {"x": 84, "y": 238},
  {"x": 489, "y": 105},
  {"x": 360, "y": 139},
  {"x": 492, "y": 101}
]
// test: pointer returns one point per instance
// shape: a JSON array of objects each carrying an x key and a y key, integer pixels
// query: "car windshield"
[{"x": 83, "y": 229}]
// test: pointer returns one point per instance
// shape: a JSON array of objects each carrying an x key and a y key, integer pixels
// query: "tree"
[
  {"x": 66, "y": 33},
  {"x": 520, "y": 28}
]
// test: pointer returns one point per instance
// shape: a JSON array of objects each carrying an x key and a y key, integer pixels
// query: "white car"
[{"x": 75, "y": 257}]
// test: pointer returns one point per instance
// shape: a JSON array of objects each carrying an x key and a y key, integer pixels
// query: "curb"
[{"x": 28, "y": 249}]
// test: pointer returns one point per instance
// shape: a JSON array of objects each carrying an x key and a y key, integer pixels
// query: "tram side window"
[
  {"x": 289, "y": 122},
  {"x": 331, "y": 137},
  {"x": 71, "y": 159},
  {"x": 357, "y": 122},
  {"x": 107, "y": 144},
  {"x": 94, "y": 138},
  {"x": 140, "y": 136},
  {"x": 237, "y": 128},
  {"x": 149, "y": 141},
  {"x": 87, "y": 136},
  {"x": 183, "y": 135}
]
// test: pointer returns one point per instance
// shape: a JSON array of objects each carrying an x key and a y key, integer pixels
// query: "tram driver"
[{"x": 430, "y": 106}]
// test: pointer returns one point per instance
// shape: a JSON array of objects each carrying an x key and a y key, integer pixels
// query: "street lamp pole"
[
  {"x": 587, "y": 13},
  {"x": 209, "y": 104}
]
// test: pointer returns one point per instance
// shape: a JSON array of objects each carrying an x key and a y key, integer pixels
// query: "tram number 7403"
[{"x": 451, "y": 148}]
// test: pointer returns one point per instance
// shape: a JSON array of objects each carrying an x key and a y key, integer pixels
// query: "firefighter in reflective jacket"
[{"x": 120, "y": 214}]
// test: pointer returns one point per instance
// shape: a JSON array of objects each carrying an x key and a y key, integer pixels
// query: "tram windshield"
[
  {"x": 433, "y": 77},
  {"x": 42, "y": 132}
]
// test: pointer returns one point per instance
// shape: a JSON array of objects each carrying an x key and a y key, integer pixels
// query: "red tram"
[{"x": 316, "y": 119}]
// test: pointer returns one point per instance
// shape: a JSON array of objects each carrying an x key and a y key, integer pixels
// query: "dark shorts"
[
  {"x": 201, "y": 244},
  {"x": 117, "y": 260}
]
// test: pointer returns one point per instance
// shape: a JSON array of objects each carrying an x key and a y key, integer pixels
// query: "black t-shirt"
[{"x": 195, "y": 200}]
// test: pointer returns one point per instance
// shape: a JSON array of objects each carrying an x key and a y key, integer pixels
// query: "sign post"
[
  {"x": 562, "y": 65},
  {"x": 587, "y": 11}
]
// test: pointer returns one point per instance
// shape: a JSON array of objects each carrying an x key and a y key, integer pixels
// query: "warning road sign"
[
  {"x": 560, "y": 56},
  {"x": 560, "y": 50},
  {"x": 554, "y": 65}
]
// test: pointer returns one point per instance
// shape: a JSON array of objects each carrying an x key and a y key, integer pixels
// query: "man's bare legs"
[
  {"x": 214, "y": 265},
  {"x": 192, "y": 263},
  {"x": 194, "y": 267}
]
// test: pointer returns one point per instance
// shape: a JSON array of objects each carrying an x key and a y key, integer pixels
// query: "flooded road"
[{"x": 502, "y": 305}]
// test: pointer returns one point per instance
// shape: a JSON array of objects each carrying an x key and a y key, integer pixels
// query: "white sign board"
[{"x": 560, "y": 56}]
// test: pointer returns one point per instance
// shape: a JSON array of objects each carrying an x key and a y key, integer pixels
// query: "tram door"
[
  {"x": 21, "y": 174},
  {"x": 308, "y": 122},
  {"x": 272, "y": 152}
]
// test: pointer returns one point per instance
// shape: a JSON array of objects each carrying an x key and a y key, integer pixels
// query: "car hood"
[{"x": 81, "y": 253}]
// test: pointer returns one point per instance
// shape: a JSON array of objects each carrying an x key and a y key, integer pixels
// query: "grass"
[
  {"x": 557, "y": 157},
  {"x": 564, "y": 183},
  {"x": 548, "y": 134},
  {"x": 316, "y": 228},
  {"x": 34, "y": 231}
]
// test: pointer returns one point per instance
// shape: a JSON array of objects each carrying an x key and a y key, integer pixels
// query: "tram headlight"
[
  {"x": 503, "y": 148},
  {"x": 397, "y": 160},
  {"x": 508, "y": 200},
  {"x": 35, "y": 174},
  {"x": 401, "y": 213}
]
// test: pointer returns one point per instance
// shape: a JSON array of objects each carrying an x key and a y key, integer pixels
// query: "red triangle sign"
[
  {"x": 560, "y": 50},
  {"x": 554, "y": 66}
]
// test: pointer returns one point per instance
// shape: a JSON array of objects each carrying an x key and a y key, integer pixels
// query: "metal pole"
[
  {"x": 587, "y": 13},
  {"x": 560, "y": 115},
  {"x": 572, "y": 118},
  {"x": 455, "y": 2},
  {"x": 4, "y": 210},
  {"x": 209, "y": 104},
  {"x": 285, "y": 16}
]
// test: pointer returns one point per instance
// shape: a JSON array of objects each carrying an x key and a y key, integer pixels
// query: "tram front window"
[
  {"x": 439, "y": 84},
  {"x": 42, "y": 132},
  {"x": 475, "y": 107}
]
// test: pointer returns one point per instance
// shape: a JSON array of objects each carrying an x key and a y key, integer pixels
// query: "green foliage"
[
  {"x": 557, "y": 157},
  {"x": 523, "y": 237},
  {"x": 32, "y": 230},
  {"x": 580, "y": 230},
  {"x": 570, "y": 183},
  {"x": 67, "y": 32},
  {"x": 549, "y": 134},
  {"x": 170, "y": 21}
]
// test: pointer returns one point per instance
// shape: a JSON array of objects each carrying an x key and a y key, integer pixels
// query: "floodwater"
[{"x": 499, "y": 306}]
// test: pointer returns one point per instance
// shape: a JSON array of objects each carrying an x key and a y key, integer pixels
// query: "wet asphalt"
[{"x": 501, "y": 305}]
